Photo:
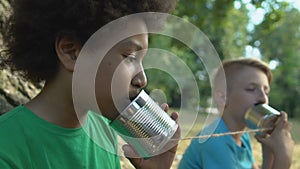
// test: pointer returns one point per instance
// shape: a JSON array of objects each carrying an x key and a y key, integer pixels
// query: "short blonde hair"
[{"x": 230, "y": 67}]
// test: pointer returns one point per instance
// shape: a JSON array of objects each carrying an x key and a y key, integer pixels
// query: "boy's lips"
[
  {"x": 133, "y": 94},
  {"x": 259, "y": 103}
]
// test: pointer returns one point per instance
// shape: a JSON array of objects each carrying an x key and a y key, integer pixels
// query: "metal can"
[
  {"x": 145, "y": 126},
  {"x": 261, "y": 116}
]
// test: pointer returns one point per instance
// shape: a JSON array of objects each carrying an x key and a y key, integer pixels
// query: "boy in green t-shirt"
[{"x": 43, "y": 42}]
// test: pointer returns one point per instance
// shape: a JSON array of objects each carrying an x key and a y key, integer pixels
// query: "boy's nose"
[
  {"x": 139, "y": 80},
  {"x": 263, "y": 98}
]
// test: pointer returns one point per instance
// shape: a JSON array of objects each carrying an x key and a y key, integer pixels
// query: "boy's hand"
[
  {"x": 280, "y": 142},
  {"x": 163, "y": 160}
]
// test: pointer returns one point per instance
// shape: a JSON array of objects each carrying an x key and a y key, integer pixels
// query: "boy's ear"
[
  {"x": 220, "y": 97},
  {"x": 67, "y": 50}
]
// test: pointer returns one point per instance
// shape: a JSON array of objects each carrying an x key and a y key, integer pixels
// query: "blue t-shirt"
[{"x": 218, "y": 152}]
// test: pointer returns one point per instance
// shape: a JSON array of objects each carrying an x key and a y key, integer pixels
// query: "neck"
[
  {"x": 54, "y": 104},
  {"x": 232, "y": 126}
]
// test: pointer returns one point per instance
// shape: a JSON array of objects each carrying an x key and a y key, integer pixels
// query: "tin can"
[
  {"x": 261, "y": 116},
  {"x": 145, "y": 126}
]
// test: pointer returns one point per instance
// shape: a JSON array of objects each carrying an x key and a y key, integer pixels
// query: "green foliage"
[
  {"x": 277, "y": 38},
  {"x": 224, "y": 25},
  {"x": 280, "y": 42},
  {"x": 169, "y": 83}
]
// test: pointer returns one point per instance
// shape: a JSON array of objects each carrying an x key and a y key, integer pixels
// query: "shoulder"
[
  {"x": 205, "y": 142},
  {"x": 11, "y": 132},
  {"x": 9, "y": 121},
  {"x": 99, "y": 131},
  {"x": 100, "y": 123},
  {"x": 205, "y": 152},
  {"x": 207, "y": 137}
]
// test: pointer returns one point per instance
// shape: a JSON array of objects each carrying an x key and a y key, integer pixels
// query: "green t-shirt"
[{"x": 27, "y": 142}]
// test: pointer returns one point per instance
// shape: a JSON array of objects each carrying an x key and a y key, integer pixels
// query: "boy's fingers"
[
  {"x": 129, "y": 151},
  {"x": 165, "y": 107},
  {"x": 285, "y": 123},
  {"x": 282, "y": 120},
  {"x": 261, "y": 139},
  {"x": 175, "y": 116},
  {"x": 289, "y": 126},
  {"x": 131, "y": 155}
]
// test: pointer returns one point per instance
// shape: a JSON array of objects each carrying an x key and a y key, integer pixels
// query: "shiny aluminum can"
[
  {"x": 261, "y": 116},
  {"x": 145, "y": 126}
]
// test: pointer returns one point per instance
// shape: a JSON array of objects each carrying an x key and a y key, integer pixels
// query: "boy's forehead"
[
  {"x": 134, "y": 41},
  {"x": 245, "y": 74},
  {"x": 135, "y": 23},
  {"x": 132, "y": 44}
]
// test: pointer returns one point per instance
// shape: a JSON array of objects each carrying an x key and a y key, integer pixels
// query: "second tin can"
[{"x": 261, "y": 116}]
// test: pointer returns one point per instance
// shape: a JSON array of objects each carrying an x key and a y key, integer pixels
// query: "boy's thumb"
[
  {"x": 261, "y": 139},
  {"x": 131, "y": 155}
]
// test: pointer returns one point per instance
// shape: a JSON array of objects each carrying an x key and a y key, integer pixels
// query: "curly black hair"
[{"x": 34, "y": 25}]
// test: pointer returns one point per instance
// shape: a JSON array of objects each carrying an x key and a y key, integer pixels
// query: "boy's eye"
[
  {"x": 129, "y": 57},
  {"x": 254, "y": 89},
  {"x": 250, "y": 89}
]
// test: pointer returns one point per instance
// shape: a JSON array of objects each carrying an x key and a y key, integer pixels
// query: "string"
[{"x": 225, "y": 134}]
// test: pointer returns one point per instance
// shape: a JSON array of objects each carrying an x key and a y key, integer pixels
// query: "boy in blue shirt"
[{"x": 248, "y": 83}]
